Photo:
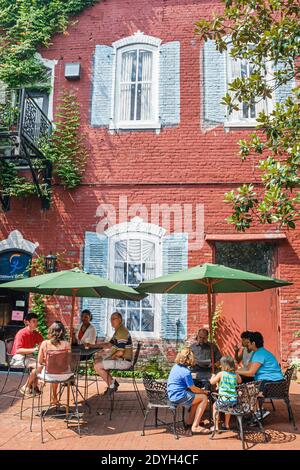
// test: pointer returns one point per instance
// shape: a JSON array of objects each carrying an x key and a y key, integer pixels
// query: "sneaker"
[
  {"x": 265, "y": 413},
  {"x": 115, "y": 387}
]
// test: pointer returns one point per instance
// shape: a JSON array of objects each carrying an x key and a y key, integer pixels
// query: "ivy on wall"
[
  {"x": 67, "y": 149},
  {"x": 26, "y": 25}
]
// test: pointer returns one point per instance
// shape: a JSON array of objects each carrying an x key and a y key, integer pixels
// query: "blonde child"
[
  {"x": 182, "y": 391},
  {"x": 227, "y": 381}
]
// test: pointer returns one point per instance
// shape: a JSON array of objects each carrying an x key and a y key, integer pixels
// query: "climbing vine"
[
  {"x": 215, "y": 322},
  {"x": 25, "y": 26},
  {"x": 67, "y": 149}
]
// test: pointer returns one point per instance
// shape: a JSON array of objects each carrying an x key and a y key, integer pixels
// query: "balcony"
[{"x": 24, "y": 129}]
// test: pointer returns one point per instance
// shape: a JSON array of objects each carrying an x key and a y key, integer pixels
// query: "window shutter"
[
  {"x": 233, "y": 71},
  {"x": 285, "y": 90},
  {"x": 174, "y": 306},
  {"x": 214, "y": 81},
  {"x": 169, "y": 84},
  {"x": 102, "y": 86},
  {"x": 95, "y": 261}
]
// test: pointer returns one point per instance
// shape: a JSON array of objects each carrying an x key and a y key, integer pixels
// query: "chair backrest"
[
  {"x": 58, "y": 362},
  {"x": 288, "y": 376},
  {"x": 247, "y": 396},
  {"x": 9, "y": 342},
  {"x": 137, "y": 353},
  {"x": 156, "y": 391}
]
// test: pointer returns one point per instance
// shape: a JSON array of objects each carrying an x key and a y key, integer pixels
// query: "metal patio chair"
[
  {"x": 157, "y": 396},
  {"x": 245, "y": 407},
  {"x": 279, "y": 391}
]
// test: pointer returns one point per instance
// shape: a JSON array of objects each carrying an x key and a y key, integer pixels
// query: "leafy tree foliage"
[{"x": 264, "y": 32}]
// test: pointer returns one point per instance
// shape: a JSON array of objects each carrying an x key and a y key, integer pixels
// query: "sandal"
[
  {"x": 25, "y": 391},
  {"x": 187, "y": 432},
  {"x": 201, "y": 430}
]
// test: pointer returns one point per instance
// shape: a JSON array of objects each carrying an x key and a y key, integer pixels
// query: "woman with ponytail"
[{"x": 56, "y": 341}]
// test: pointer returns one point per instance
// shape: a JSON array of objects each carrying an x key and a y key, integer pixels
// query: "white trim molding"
[
  {"x": 135, "y": 225},
  {"x": 137, "y": 38},
  {"x": 16, "y": 241},
  {"x": 49, "y": 64}
]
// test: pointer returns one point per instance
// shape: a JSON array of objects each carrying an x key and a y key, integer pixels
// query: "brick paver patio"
[{"x": 123, "y": 432}]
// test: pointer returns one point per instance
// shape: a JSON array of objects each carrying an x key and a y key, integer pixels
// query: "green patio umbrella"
[
  {"x": 210, "y": 279},
  {"x": 74, "y": 283}
]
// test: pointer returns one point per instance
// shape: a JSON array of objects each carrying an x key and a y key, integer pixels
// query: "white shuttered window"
[
  {"x": 248, "y": 112},
  {"x": 136, "y": 87}
]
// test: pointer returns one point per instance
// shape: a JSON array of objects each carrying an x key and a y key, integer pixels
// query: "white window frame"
[
  {"x": 133, "y": 230},
  {"x": 134, "y": 42},
  {"x": 235, "y": 119},
  {"x": 49, "y": 64}
]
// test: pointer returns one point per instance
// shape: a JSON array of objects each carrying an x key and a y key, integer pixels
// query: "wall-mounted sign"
[
  {"x": 14, "y": 265},
  {"x": 17, "y": 315},
  {"x": 20, "y": 303}
]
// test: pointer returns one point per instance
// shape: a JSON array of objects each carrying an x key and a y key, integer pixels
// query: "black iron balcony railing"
[
  {"x": 21, "y": 119},
  {"x": 24, "y": 129}
]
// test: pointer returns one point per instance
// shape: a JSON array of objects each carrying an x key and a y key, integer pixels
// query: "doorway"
[{"x": 257, "y": 311}]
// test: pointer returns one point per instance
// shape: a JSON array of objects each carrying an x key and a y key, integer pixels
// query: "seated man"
[
  {"x": 25, "y": 345},
  {"x": 120, "y": 355},
  {"x": 202, "y": 353},
  {"x": 262, "y": 366},
  {"x": 246, "y": 355}
]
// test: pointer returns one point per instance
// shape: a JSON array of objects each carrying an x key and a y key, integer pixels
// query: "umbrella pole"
[
  {"x": 71, "y": 338},
  {"x": 209, "y": 300}
]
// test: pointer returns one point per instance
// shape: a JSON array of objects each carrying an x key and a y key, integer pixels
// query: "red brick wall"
[{"x": 180, "y": 165}]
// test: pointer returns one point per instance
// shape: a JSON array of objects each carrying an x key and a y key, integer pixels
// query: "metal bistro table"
[{"x": 86, "y": 354}]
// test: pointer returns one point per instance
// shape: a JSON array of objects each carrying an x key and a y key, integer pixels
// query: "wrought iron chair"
[
  {"x": 12, "y": 393},
  {"x": 279, "y": 391},
  {"x": 62, "y": 369},
  {"x": 158, "y": 399},
  {"x": 245, "y": 406},
  {"x": 136, "y": 390}
]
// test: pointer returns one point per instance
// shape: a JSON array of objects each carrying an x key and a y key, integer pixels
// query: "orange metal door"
[{"x": 248, "y": 311}]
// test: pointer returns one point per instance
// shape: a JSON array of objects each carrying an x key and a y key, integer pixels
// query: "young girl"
[
  {"x": 56, "y": 341},
  {"x": 182, "y": 391},
  {"x": 227, "y": 381}
]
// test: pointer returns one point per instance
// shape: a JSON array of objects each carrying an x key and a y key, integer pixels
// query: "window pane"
[
  {"x": 125, "y": 102},
  {"x": 254, "y": 257},
  {"x": 145, "y": 66},
  {"x": 128, "y": 67},
  {"x": 147, "y": 320},
  {"x": 135, "y": 275},
  {"x": 132, "y": 102},
  {"x": 133, "y": 320}
]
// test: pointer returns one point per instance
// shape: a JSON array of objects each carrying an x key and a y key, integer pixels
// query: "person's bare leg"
[
  {"x": 227, "y": 420},
  {"x": 104, "y": 374},
  {"x": 31, "y": 379},
  {"x": 54, "y": 398},
  {"x": 200, "y": 408},
  {"x": 216, "y": 417},
  {"x": 197, "y": 400}
]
